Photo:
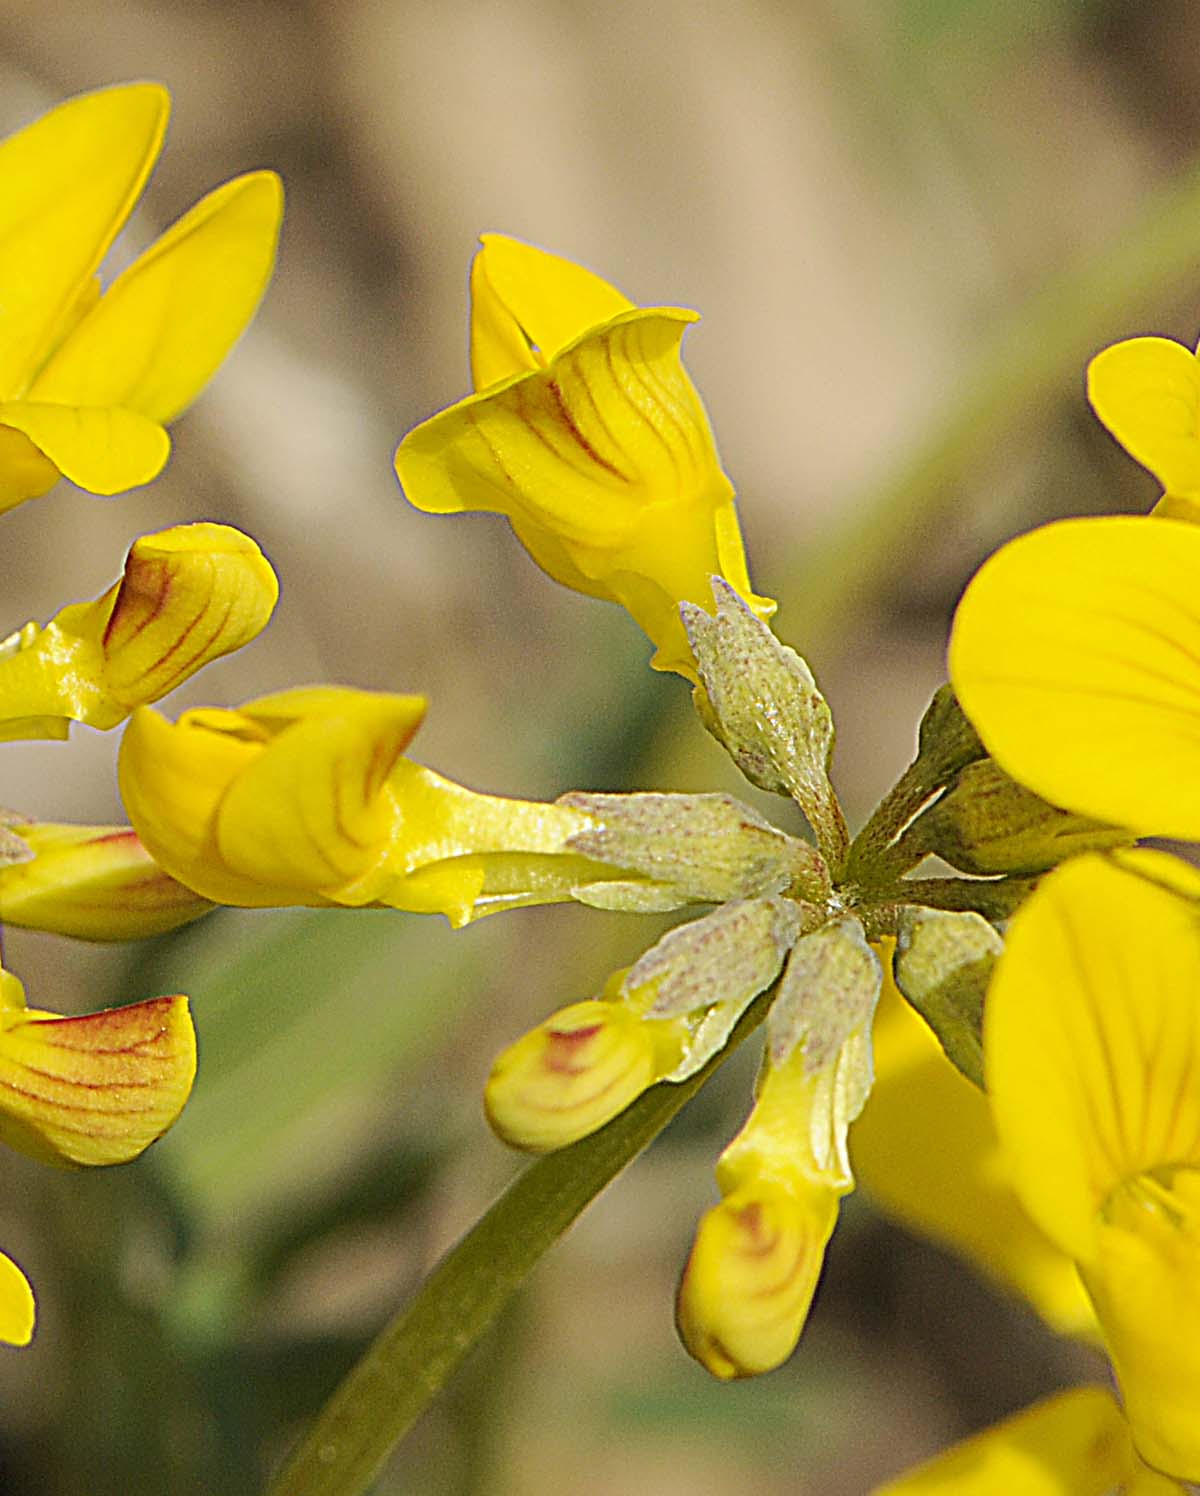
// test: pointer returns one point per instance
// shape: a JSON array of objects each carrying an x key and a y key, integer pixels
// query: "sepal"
[
  {"x": 943, "y": 964},
  {"x": 760, "y": 701}
]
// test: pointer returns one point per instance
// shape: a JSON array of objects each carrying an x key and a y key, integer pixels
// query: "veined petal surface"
[
  {"x": 96, "y": 1089},
  {"x": 1076, "y": 654},
  {"x": 160, "y": 331},
  {"x": 103, "y": 448},
  {"x": 528, "y": 304},
  {"x": 1092, "y": 1036},
  {"x": 69, "y": 181},
  {"x": 1147, "y": 392}
]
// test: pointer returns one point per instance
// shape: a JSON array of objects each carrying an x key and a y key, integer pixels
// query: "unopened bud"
[
  {"x": 943, "y": 964},
  {"x": 575, "y": 1072},
  {"x": 761, "y": 702},
  {"x": 988, "y": 823},
  {"x": 749, "y": 1282},
  {"x": 690, "y": 849},
  {"x": 93, "y": 883}
]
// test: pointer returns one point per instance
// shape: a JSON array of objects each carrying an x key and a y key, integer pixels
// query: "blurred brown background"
[{"x": 907, "y": 225}]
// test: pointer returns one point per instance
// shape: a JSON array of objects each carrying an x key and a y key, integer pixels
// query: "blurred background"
[{"x": 907, "y": 223}]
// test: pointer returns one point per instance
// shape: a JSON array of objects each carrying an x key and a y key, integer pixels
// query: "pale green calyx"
[
  {"x": 710, "y": 970},
  {"x": 943, "y": 964},
  {"x": 988, "y": 823},
  {"x": 693, "y": 848},
  {"x": 761, "y": 703},
  {"x": 829, "y": 990},
  {"x": 13, "y": 848}
]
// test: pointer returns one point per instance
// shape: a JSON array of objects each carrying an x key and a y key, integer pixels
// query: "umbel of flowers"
[
  {"x": 586, "y": 434},
  {"x": 1056, "y": 965}
]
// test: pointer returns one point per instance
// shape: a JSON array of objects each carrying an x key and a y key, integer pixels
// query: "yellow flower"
[
  {"x": 1072, "y": 1444},
  {"x": 926, "y": 1150},
  {"x": 586, "y": 432},
  {"x": 93, "y": 883},
  {"x": 188, "y": 595},
  {"x": 89, "y": 380},
  {"x": 1147, "y": 392},
  {"x": 96, "y": 1089},
  {"x": 749, "y": 1281},
  {"x": 1092, "y": 1053},
  {"x": 303, "y": 797},
  {"x": 1076, "y": 654}
]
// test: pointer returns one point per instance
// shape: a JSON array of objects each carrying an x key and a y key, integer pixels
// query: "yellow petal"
[
  {"x": 97, "y": 1089},
  {"x": 1147, "y": 392},
  {"x": 25, "y": 473},
  {"x": 1092, "y": 1039},
  {"x": 1145, "y": 1281},
  {"x": 1071, "y": 1444},
  {"x": 605, "y": 464},
  {"x": 160, "y": 331},
  {"x": 172, "y": 777},
  {"x": 17, "y": 1308},
  {"x": 189, "y": 595},
  {"x": 313, "y": 810},
  {"x": 103, "y": 448},
  {"x": 69, "y": 181},
  {"x": 93, "y": 883},
  {"x": 1076, "y": 654},
  {"x": 748, "y": 1284},
  {"x": 527, "y": 305},
  {"x": 926, "y": 1150}
]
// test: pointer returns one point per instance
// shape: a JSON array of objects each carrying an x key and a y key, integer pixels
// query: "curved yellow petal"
[
  {"x": 528, "y": 304},
  {"x": 751, "y": 1275},
  {"x": 1092, "y": 1036},
  {"x": 18, "y": 1311},
  {"x": 70, "y": 180},
  {"x": 96, "y": 1089},
  {"x": 605, "y": 464},
  {"x": 93, "y": 883},
  {"x": 25, "y": 473},
  {"x": 313, "y": 810},
  {"x": 172, "y": 778},
  {"x": 1072, "y": 1444},
  {"x": 105, "y": 449},
  {"x": 160, "y": 331},
  {"x": 926, "y": 1150},
  {"x": 1147, "y": 392},
  {"x": 1076, "y": 654},
  {"x": 189, "y": 595}
]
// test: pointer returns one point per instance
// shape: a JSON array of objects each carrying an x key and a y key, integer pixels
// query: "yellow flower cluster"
[{"x": 88, "y": 378}]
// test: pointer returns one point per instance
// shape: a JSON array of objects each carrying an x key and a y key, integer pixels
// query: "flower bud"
[
  {"x": 748, "y": 1284},
  {"x": 760, "y": 701},
  {"x": 575, "y": 1072},
  {"x": 988, "y": 823},
  {"x": 94, "y": 883},
  {"x": 943, "y": 964}
]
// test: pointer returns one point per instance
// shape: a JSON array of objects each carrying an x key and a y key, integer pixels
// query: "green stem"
[{"x": 408, "y": 1364}]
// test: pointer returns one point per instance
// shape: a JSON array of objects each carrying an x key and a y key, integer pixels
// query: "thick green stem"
[{"x": 412, "y": 1358}]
